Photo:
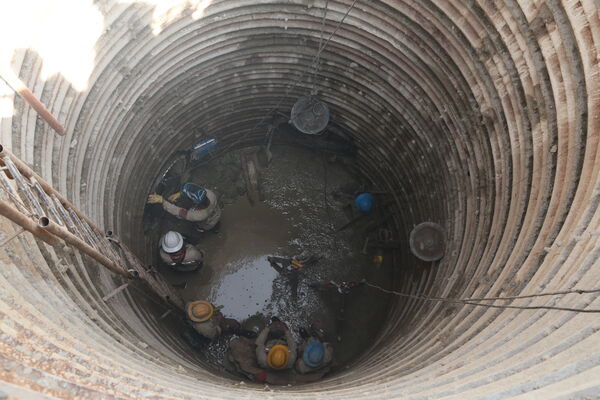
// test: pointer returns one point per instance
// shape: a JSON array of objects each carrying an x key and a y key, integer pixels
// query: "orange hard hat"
[
  {"x": 278, "y": 357},
  {"x": 200, "y": 310}
]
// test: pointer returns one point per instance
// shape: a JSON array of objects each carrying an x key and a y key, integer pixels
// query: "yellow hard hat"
[
  {"x": 200, "y": 310},
  {"x": 278, "y": 356}
]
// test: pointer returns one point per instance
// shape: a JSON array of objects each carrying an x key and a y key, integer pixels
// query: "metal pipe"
[
  {"x": 115, "y": 292},
  {"x": 45, "y": 224},
  {"x": 48, "y": 202},
  {"x": 156, "y": 284},
  {"x": 24, "y": 188},
  {"x": 19, "y": 87},
  {"x": 86, "y": 227},
  {"x": 10, "y": 212},
  {"x": 31, "y": 174}
]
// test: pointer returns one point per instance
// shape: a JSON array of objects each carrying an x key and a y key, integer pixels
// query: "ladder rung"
[
  {"x": 85, "y": 235},
  {"x": 14, "y": 197},
  {"x": 70, "y": 225},
  {"x": 47, "y": 202},
  {"x": 106, "y": 247},
  {"x": 36, "y": 207}
]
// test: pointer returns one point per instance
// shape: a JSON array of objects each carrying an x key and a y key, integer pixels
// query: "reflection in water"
[{"x": 247, "y": 291}]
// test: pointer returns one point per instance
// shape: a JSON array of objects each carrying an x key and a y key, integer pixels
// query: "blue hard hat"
[
  {"x": 364, "y": 202},
  {"x": 194, "y": 192},
  {"x": 313, "y": 354}
]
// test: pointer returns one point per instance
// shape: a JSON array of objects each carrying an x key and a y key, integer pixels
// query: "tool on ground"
[
  {"x": 251, "y": 178},
  {"x": 267, "y": 148}
]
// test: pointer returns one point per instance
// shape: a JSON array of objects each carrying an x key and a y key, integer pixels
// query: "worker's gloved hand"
[
  {"x": 174, "y": 197},
  {"x": 155, "y": 199}
]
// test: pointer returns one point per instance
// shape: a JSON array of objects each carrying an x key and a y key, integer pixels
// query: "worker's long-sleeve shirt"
[
  {"x": 192, "y": 254},
  {"x": 209, "y": 329},
  {"x": 262, "y": 347},
  {"x": 302, "y": 368},
  {"x": 206, "y": 218}
]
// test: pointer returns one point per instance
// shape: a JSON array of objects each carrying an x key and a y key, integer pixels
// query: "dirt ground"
[{"x": 299, "y": 213}]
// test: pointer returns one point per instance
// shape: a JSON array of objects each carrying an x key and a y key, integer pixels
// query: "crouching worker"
[
  {"x": 275, "y": 347},
  {"x": 209, "y": 322},
  {"x": 194, "y": 204},
  {"x": 315, "y": 356},
  {"x": 178, "y": 254}
]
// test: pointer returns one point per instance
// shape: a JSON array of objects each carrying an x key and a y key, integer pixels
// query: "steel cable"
[{"x": 474, "y": 301}]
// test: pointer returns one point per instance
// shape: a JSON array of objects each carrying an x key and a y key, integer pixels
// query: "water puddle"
[{"x": 248, "y": 290}]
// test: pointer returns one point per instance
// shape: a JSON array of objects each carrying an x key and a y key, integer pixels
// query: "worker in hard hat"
[
  {"x": 193, "y": 203},
  {"x": 275, "y": 347},
  {"x": 178, "y": 254},
  {"x": 314, "y": 354},
  {"x": 210, "y": 322}
]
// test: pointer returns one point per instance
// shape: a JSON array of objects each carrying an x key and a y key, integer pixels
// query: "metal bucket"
[
  {"x": 427, "y": 241},
  {"x": 310, "y": 115}
]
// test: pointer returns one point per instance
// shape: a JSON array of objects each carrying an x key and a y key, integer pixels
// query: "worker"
[
  {"x": 178, "y": 254},
  {"x": 241, "y": 359},
  {"x": 275, "y": 347},
  {"x": 210, "y": 322},
  {"x": 314, "y": 354},
  {"x": 193, "y": 203}
]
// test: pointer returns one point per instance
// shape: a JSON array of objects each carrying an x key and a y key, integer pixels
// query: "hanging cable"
[
  {"x": 474, "y": 301},
  {"x": 317, "y": 61},
  {"x": 291, "y": 87}
]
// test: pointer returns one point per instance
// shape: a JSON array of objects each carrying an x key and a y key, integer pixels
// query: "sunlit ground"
[{"x": 64, "y": 34}]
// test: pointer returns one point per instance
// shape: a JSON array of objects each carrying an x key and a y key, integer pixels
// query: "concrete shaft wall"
[{"x": 479, "y": 115}]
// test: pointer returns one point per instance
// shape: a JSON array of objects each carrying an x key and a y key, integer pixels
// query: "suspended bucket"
[
  {"x": 427, "y": 241},
  {"x": 310, "y": 115}
]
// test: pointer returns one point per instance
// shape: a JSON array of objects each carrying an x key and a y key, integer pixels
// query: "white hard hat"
[{"x": 171, "y": 242}]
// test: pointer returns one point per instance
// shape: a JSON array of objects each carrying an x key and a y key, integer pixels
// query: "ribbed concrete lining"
[{"x": 479, "y": 115}]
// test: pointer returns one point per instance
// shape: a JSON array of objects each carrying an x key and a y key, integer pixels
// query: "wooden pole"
[
  {"x": 74, "y": 241},
  {"x": 10, "y": 212},
  {"x": 12, "y": 80}
]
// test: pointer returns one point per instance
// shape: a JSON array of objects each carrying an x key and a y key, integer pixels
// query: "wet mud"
[{"x": 299, "y": 214}]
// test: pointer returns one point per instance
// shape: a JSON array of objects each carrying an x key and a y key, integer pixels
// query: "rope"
[
  {"x": 317, "y": 61},
  {"x": 296, "y": 82},
  {"x": 474, "y": 301}
]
